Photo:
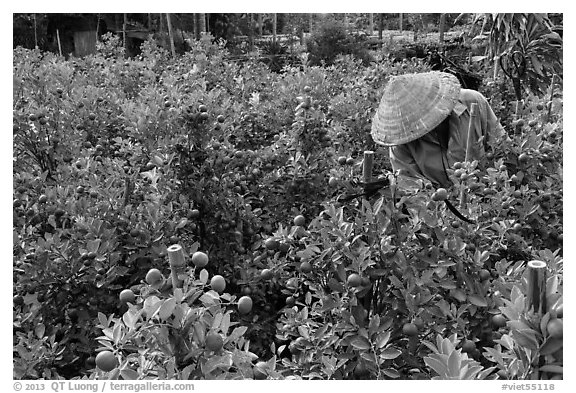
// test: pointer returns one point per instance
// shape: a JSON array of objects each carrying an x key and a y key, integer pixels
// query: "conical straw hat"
[{"x": 413, "y": 105}]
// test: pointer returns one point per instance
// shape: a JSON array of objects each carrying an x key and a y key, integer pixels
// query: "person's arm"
[
  {"x": 405, "y": 166},
  {"x": 491, "y": 127}
]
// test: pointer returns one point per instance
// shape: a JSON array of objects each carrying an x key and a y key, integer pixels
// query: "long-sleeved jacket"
[{"x": 423, "y": 157}]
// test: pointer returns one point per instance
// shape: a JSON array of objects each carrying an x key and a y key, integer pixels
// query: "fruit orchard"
[{"x": 117, "y": 160}]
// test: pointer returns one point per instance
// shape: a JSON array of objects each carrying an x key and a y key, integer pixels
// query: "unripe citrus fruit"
[
  {"x": 409, "y": 329},
  {"x": 354, "y": 280},
  {"x": 214, "y": 342},
  {"x": 555, "y": 328},
  {"x": 440, "y": 195},
  {"x": 498, "y": 321},
  {"x": 154, "y": 276},
  {"x": 271, "y": 244},
  {"x": 218, "y": 283},
  {"x": 127, "y": 296},
  {"x": 199, "y": 259},
  {"x": 332, "y": 182},
  {"x": 266, "y": 274},
  {"x": 299, "y": 220},
  {"x": 305, "y": 267},
  {"x": 260, "y": 371},
  {"x": 245, "y": 305},
  {"x": 106, "y": 361},
  {"x": 468, "y": 346},
  {"x": 342, "y": 160}
]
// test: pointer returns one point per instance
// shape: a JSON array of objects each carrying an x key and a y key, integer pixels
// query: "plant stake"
[
  {"x": 536, "y": 294},
  {"x": 177, "y": 264}
]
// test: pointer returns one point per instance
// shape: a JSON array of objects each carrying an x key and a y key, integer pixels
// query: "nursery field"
[{"x": 187, "y": 218}]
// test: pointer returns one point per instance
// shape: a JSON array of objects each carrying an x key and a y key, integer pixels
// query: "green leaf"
[
  {"x": 390, "y": 353},
  {"x": 225, "y": 325},
  {"x": 217, "y": 321},
  {"x": 166, "y": 309},
  {"x": 454, "y": 362},
  {"x": 391, "y": 373},
  {"x": 382, "y": 339},
  {"x": 552, "y": 368},
  {"x": 360, "y": 342},
  {"x": 129, "y": 374},
  {"x": 477, "y": 300},
  {"x": 437, "y": 365},
  {"x": 204, "y": 276},
  {"x": 551, "y": 345}
]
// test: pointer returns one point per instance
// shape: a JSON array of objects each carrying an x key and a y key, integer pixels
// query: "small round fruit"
[
  {"x": 127, "y": 296},
  {"x": 299, "y": 220},
  {"x": 260, "y": 371},
  {"x": 332, "y": 182},
  {"x": 409, "y": 329},
  {"x": 203, "y": 108},
  {"x": 498, "y": 321},
  {"x": 555, "y": 328},
  {"x": 349, "y": 161},
  {"x": 43, "y": 198},
  {"x": 266, "y": 274},
  {"x": 560, "y": 311},
  {"x": 290, "y": 301},
  {"x": 220, "y": 118},
  {"x": 307, "y": 89},
  {"x": 354, "y": 280},
  {"x": 154, "y": 276},
  {"x": 484, "y": 274},
  {"x": 440, "y": 194},
  {"x": 18, "y": 300},
  {"x": 92, "y": 116},
  {"x": 305, "y": 267},
  {"x": 199, "y": 259},
  {"x": 271, "y": 244},
  {"x": 218, "y": 283},
  {"x": 214, "y": 342},
  {"x": 468, "y": 346},
  {"x": 106, "y": 361},
  {"x": 245, "y": 304},
  {"x": 194, "y": 213},
  {"x": 342, "y": 160}
]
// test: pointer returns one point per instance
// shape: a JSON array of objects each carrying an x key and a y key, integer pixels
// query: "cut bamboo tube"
[
  {"x": 177, "y": 264},
  {"x": 59, "y": 44},
  {"x": 367, "y": 166},
  {"x": 536, "y": 298},
  {"x": 471, "y": 129}
]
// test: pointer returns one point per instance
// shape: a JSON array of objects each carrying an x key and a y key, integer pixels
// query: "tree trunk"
[
  {"x": 124, "y": 34},
  {"x": 201, "y": 24},
  {"x": 310, "y": 24},
  {"x": 370, "y": 24},
  {"x": 161, "y": 24},
  {"x": 442, "y": 27},
  {"x": 170, "y": 35},
  {"x": 346, "y": 21},
  {"x": 35, "y": 33},
  {"x": 207, "y": 23},
  {"x": 149, "y": 22},
  {"x": 380, "y": 26},
  {"x": 260, "y": 24},
  {"x": 251, "y": 31},
  {"x": 401, "y": 22},
  {"x": 274, "y": 25}
]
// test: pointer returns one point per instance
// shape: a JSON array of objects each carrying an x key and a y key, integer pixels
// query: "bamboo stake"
[
  {"x": 367, "y": 166},
  {"x": 36, "y": 33},
  {"x": 59, "y": 44},
  {"x": 536, "y": 294},
  {"x": 549, "y": 104},
  {"x": 471, "y": 129},
  {"x": 177, "y": 264},
  {"x": 169, "y": 23},
  {"x": 124, "y": 34}
]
